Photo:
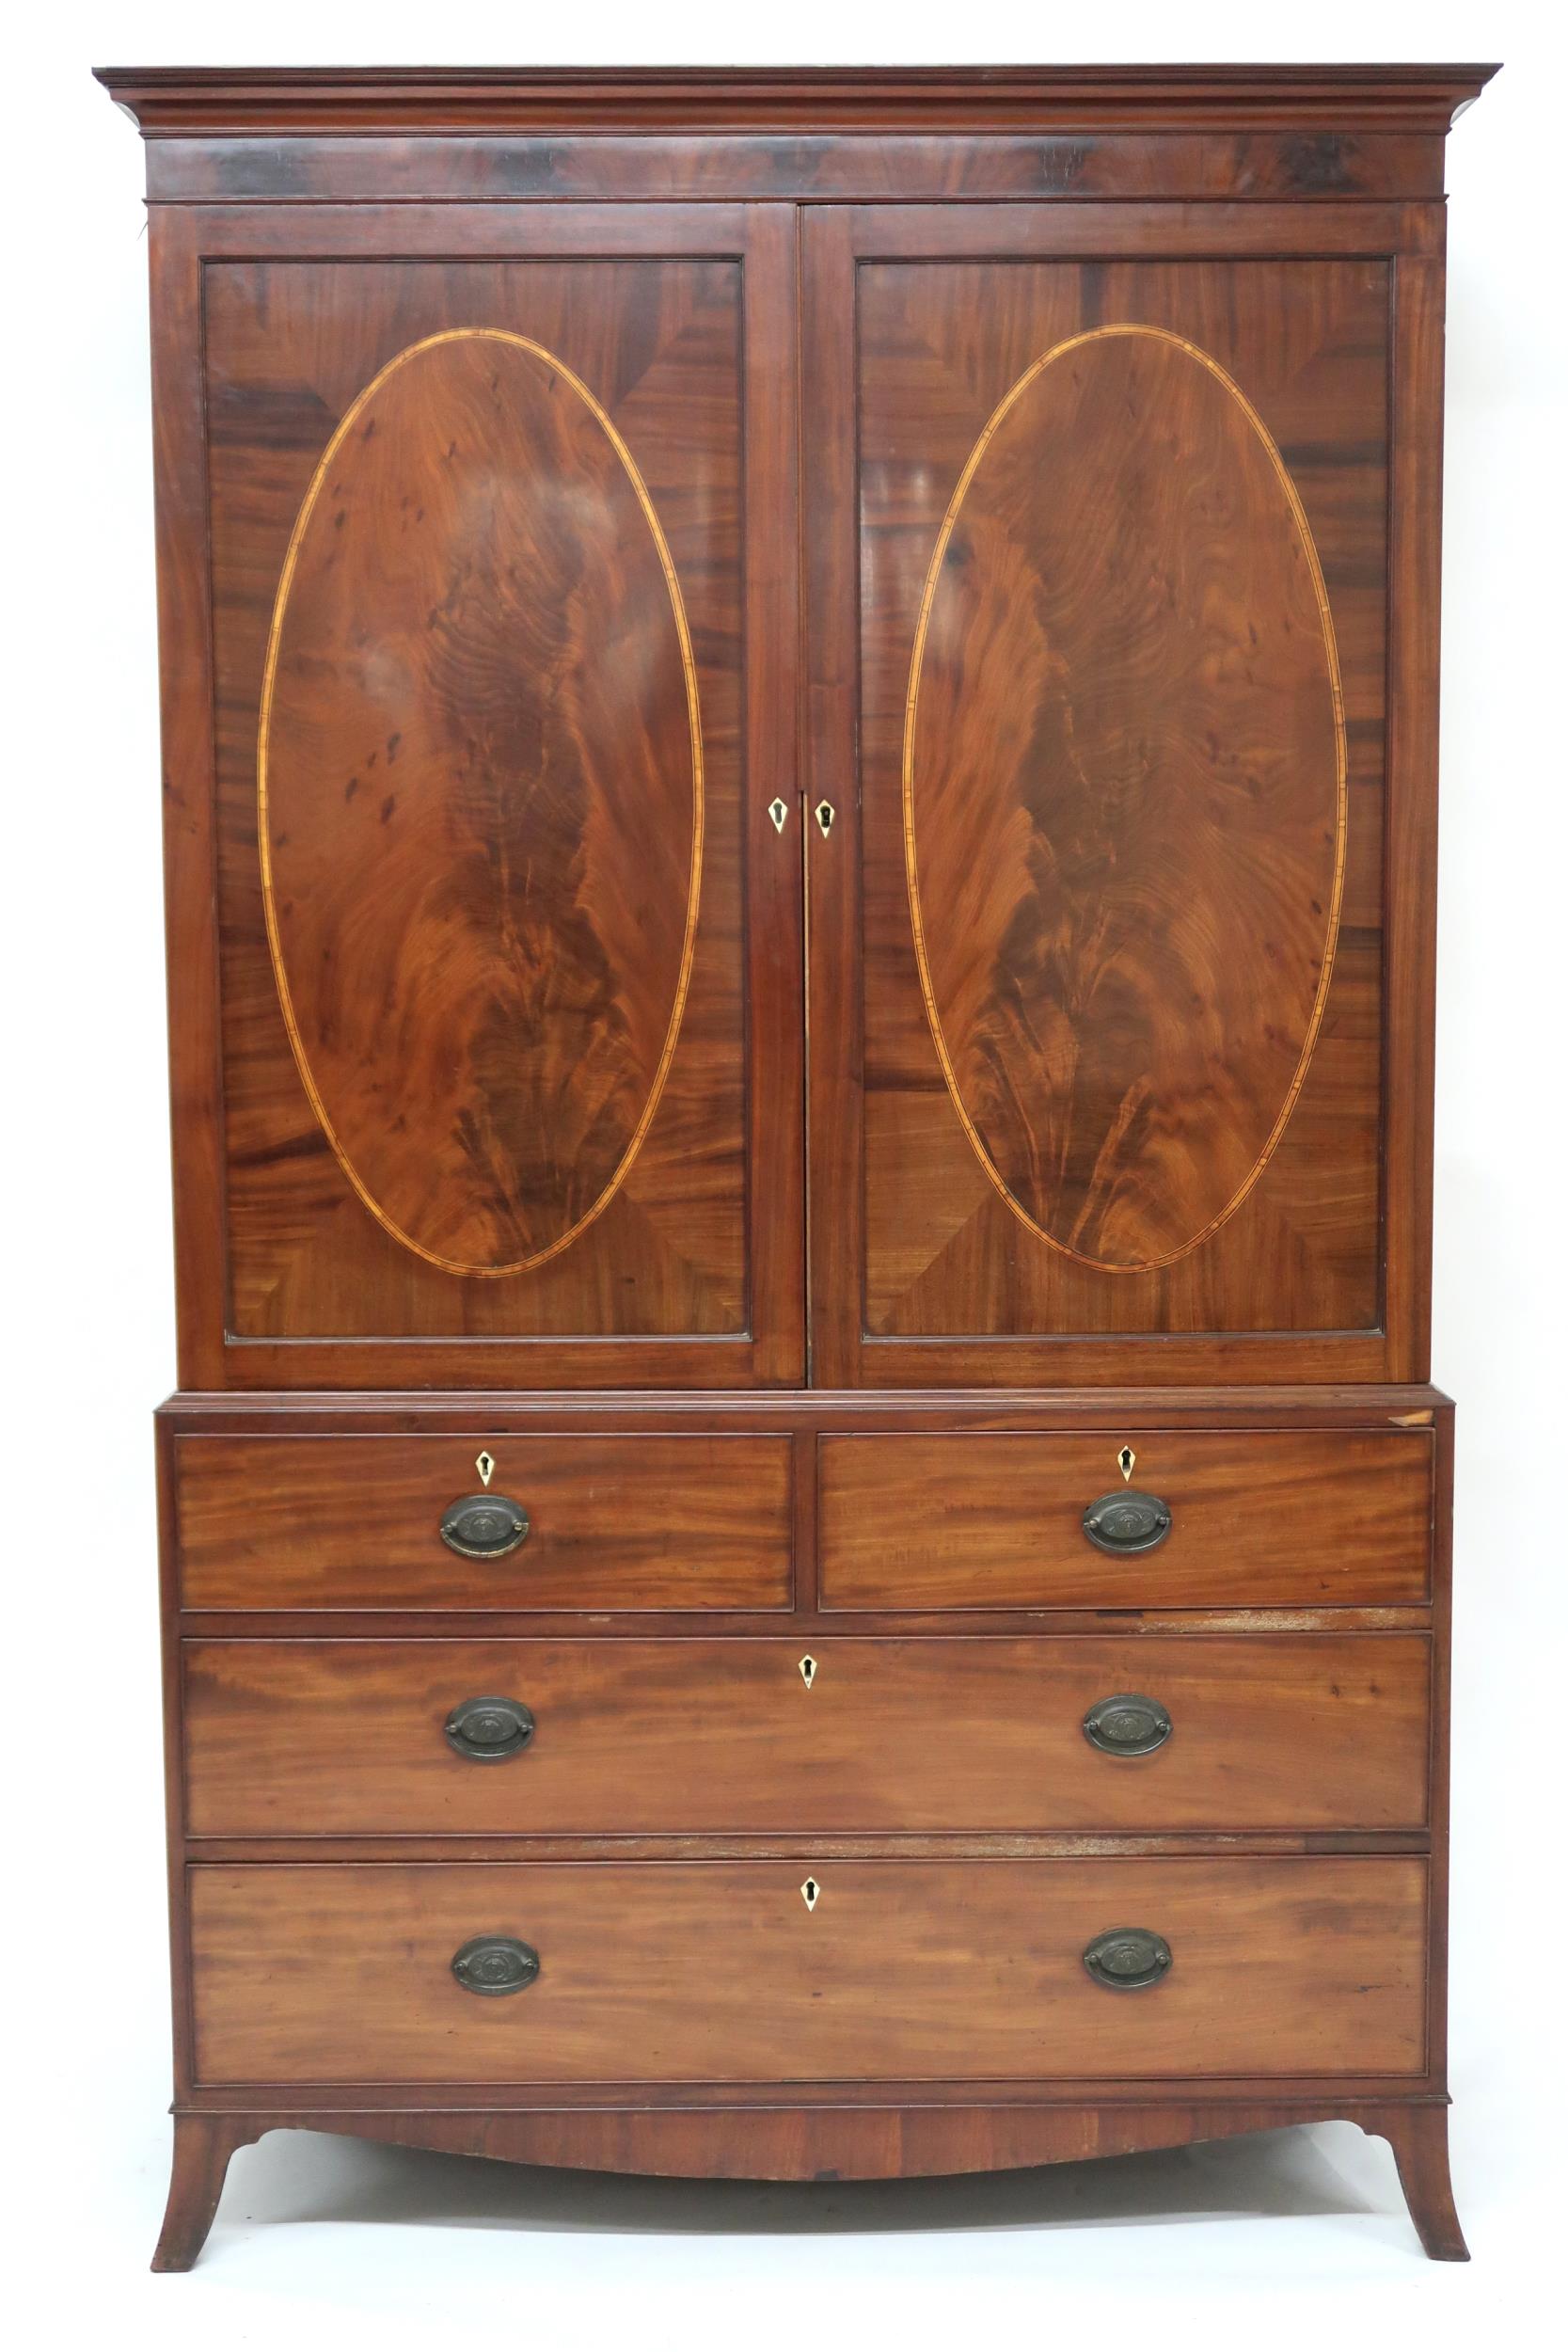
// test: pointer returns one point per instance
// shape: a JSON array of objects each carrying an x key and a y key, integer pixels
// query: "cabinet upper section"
[
  {"x": 799, "y": 789},
  {"x": 1262, "y": 133}
]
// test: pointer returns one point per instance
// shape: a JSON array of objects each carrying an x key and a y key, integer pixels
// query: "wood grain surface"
[
  {"x": 345, "y": 1737},
  {"x": 996, "y": 1521},
  {"x": 482, "y": 804},
  {"x": 496, "y": 568},
  {"x": 1123, "y": 803},
  {"x": 715, "y": 1971},
  {"x": 1124, "y": 797},
  {"x": 655, "y": 1523},
  {"x": 477, "y": 873}
]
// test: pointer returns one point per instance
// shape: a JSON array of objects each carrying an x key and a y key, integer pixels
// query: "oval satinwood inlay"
[
  {"x": 480, "y": 802},
  {"x": 1124, "y": 797}
]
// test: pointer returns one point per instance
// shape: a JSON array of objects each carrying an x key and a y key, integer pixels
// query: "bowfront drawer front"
[
  {"x": 1137, "y": 1734},
  {"x": 1191, "y": 1521},
  {"x": 466, "y": 1522},
  {"x": 791, "y": 1971}
]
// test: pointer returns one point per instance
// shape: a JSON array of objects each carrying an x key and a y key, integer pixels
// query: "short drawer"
[
  {"x": 1251, "y": 1519},
  {"x": 609, "y": 1523},
  {"x": 388, "y": 1738},
  {"x": 720, "y": 1972}
]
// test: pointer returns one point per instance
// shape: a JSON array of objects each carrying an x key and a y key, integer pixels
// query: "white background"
[{"x": 1299, "y": 2237}]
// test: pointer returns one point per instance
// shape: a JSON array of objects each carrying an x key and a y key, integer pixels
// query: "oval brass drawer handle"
[
  {"x": 484, "y": 1527},
  {"x": 1127, "y": 1522},
  {"x": 1127, "y": 1725},
  {"x": 1127, "y": 1959},
  {"x": 495, "y": 1964},
  {"x": 489, "y": 1730}
]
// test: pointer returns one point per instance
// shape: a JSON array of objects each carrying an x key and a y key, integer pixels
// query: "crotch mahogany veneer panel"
[{"x": 1123, "y": 530}]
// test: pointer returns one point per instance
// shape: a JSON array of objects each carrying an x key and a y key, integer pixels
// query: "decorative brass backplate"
[
  {"x": 487, "y": 1731},
  {"x": 1127, "y": 1959},
  {"x": 1126, "y": 1522},
  {"x": 484, "y": 1527},
  {"x": 1128, "y": 1724},
  {"x": 494, "y": 1964}
]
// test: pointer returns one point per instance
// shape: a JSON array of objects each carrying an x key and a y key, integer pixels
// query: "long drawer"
[
  {"x": 718, "y": 1972},
  {"x": 607, "y": 1522},
  {"x": 1192, "y": 1519},
  {"x": 383, "y": 1738}
]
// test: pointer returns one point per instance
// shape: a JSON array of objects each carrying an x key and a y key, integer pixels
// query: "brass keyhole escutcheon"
[
  {"x": 1126, "y": 1461},
  {"x": 824, "y": 813},
  {"x": 809, "y": 1892},
  {"x": 778, "y": 812},
  {"x": 485, "y": 1465},
  {"x": 808, "y": 1670}
]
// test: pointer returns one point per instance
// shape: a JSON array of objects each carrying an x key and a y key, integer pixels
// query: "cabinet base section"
[{"x": 811, "y": 2144}]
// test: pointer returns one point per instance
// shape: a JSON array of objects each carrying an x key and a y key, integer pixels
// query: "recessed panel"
[
  {"x": 481, "y": 823},
  {"x": 1124, "y": 785},
  {"x": 1121, "y": 741},
  {"x": 480, "y": 640}
]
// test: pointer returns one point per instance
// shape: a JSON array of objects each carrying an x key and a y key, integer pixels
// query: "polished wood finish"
[
  {"x": 481, "y": 778},
  {"x": 1122, "y": 1076},
  {"x": 655, "y": 1523},
  {"x": 996, "y": 1521},
  {"x": 1257, "y": 165},
  {"x": 484, "y": 967},
  {"x": 709, "y": 1972},
  {"x": 309, "y": 1737},
  {"x": 190, "y": 101},
  {"x": 202, "y": 2147},
  {"x": 615, "y": 528},
  {"x": 1420, "y": 2138},
  {"x": 691, "y": 1270},
  {"x": 1123, "y": 797},
  {"x": 827, "y": 2144}
]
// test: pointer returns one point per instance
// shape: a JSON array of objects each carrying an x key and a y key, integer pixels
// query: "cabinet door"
[
  {"x": 1121, "y": 759},
  {"x": 485, "y": 947}
]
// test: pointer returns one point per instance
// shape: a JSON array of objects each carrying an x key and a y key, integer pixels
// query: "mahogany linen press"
[{"x": 804, "y": 1533}]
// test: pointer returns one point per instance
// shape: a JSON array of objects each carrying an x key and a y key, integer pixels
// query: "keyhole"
[
  {"x": 485, "y": 1465},
  {"x": 809, "y": 1892},
  {"x": 1125, "y": 1460},
  {"x": 808, "y": 1671}
]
